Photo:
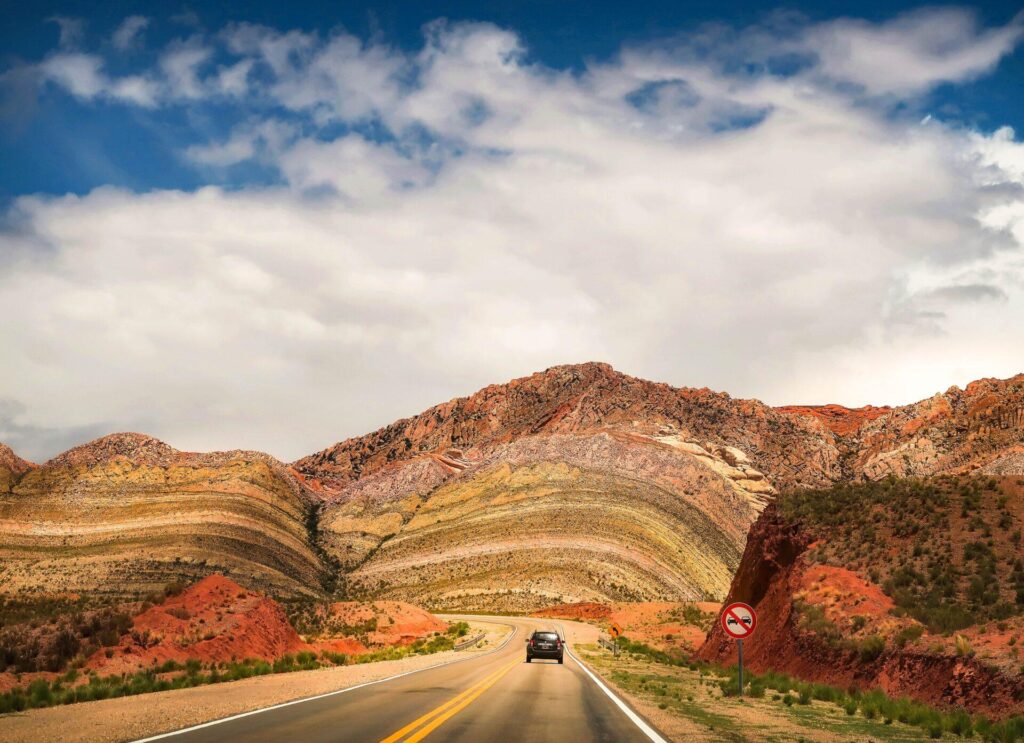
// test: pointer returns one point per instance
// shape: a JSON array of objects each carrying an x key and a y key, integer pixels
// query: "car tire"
[
  {"x": 528, "y": 659},
  {"x": 559, "y": 660}
]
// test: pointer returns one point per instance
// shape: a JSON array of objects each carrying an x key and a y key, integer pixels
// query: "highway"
[{"x": 495, "y": 696}]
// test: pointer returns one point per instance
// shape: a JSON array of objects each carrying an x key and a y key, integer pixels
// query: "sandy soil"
[{"x": 127, "y": 719}]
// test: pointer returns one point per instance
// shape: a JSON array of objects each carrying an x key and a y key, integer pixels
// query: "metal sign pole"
[{"x": 739, "y": 644}]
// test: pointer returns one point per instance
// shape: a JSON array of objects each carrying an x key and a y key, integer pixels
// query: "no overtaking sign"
[{"x": 738, "y": 621}]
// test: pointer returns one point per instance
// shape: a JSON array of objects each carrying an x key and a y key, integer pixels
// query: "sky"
[{"x": 274, "y": 227}]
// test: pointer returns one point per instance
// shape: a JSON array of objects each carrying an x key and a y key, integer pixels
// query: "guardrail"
[
  {"x": 609, "y": 645},
  {"x": 470, "y": 642}
]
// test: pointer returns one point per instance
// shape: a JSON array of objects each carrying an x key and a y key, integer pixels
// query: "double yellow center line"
[{"x": 425, "y": 725}]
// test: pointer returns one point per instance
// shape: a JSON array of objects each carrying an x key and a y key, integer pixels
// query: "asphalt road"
[{"x": 493, "y": 697}]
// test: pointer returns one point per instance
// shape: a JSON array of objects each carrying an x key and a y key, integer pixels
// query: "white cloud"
[
  {"x": 82, "y": 75},
  {"x": 252, "y": 140},
  {"x": 181, "y": 65},
  {"x": 773, "y": 236},
  {"x": 350, "y": 166},
  {"x": 129, "y": 33},
  {"x": 79, "y": 73},
  {"x": 914, "y": 51}
]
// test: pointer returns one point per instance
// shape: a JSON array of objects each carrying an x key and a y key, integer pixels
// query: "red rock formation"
[
  {"x": 12, "y": 462},
  {"x": 361, "y": 493},
  {"x": 12, "y": 467},
  {"x": 773, "y": 573},
  {"x": 839, "y": 420},
  {"x": 393, "y": 622}
]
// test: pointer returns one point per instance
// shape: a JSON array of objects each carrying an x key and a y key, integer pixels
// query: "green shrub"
[
  {"x": 870, "y": 648},
  {"x": 910, "y": 633},
  {"x": 174, "y": 588}
]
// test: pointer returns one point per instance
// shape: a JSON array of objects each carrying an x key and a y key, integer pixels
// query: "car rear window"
[{"x": 545, "y": 635}]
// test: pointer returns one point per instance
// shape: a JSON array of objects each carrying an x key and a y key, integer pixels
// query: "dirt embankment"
[{"x": 775, "y": 578}]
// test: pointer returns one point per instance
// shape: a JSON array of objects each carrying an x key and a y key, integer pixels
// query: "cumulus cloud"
[{"x": 457, "y": 215}]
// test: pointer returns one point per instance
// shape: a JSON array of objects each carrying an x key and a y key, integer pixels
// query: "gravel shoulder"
[
  {"x": 688, "y": 707},
  {"x": 130, "y": 718}
]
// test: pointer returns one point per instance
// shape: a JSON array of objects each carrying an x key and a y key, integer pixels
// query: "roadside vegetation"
[
  {"x": 779, "y": 707},
  {"x": 51, "y": 643},
  {"x": 947, "y": 550},
  {"x": 80, "y": 685}
]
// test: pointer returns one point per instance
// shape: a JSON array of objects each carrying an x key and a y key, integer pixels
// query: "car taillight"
[{"x": 533, "y": 642}]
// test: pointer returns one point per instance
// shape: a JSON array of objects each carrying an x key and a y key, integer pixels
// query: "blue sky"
[
  {"x": 272, "y": 227},
  {"x": 59, "y": 145}
]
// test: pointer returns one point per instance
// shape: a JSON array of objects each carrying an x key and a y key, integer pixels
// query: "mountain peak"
[
  {"x": 12, "y": 462},
  {"x": 568, "y": 398},
  {"x": 137, "y": 447}
]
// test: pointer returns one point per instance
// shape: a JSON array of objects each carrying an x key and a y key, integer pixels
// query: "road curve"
[{"x": 492, "y": 697}]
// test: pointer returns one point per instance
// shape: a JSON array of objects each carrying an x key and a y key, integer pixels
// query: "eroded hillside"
[
  {"x": 126, "y": 514},
  {"x": 915, "y": 586}
]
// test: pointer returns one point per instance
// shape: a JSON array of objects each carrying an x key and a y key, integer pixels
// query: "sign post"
[
  {"x": 615, "y": 631},
  {"x": 739, "y": 621}
]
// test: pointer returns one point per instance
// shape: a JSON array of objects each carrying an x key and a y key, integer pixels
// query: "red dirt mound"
[{"x": 214, "y": 620}]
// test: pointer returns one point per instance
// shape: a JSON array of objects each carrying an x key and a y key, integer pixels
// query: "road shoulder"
[{"x": 131, "y": 718}]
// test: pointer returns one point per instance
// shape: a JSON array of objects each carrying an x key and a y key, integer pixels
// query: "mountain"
[
  {"x": 578, "y": 483},
  {"x": 126, "y": 514},
  {"x": 12, "y": 467},
  {"x": 583, "y": 484}
]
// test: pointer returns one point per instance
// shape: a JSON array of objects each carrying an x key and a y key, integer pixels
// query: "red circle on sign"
[{"x": 738, "y": 620}]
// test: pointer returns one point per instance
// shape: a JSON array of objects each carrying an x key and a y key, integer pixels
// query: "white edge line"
[
  {"x": 633, "y": 716},
  {"x": 240, "y": 715}
]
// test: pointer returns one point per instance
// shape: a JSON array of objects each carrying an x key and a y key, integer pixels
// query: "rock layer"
[
  {"x": 127, "y": 514},
  {"x": 557, "y": 517}
]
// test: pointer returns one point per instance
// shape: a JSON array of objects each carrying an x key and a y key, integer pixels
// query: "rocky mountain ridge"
[{"x": 578, "y": 483}]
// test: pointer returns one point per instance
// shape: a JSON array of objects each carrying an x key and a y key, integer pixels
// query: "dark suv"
[{"x": 544, "y": 644}]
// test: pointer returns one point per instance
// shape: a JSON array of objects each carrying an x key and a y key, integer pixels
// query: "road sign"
[
  {"x": 739, "y": 621},
  {"x": 614, "y": 630}
]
